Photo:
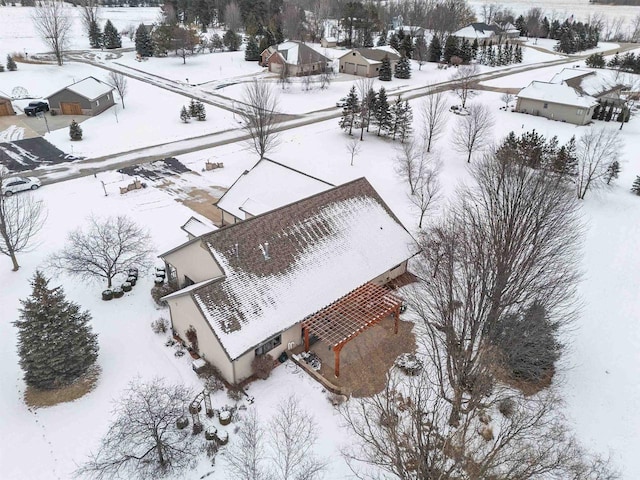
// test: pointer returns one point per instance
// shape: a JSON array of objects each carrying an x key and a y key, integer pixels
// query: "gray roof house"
[
  {"x": 247, "y": 288},
  {"x": 366, "y": 62},
  {"x": 296, "y": 57},
  {"x": 89, "y": 96},
  {"x": 556, "y": 101}
]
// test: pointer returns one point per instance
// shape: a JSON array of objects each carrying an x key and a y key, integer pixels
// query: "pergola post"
[
  {"x": 306, "y": 338},
  {"x": 396, "y": 316},
  {"x": 336, "y": 352}
]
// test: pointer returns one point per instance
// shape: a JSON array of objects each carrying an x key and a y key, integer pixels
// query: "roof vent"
[{"x": 264, "y": 248}]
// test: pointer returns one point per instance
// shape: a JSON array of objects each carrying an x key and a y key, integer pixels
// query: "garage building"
[{"x": 89, "y": 96}]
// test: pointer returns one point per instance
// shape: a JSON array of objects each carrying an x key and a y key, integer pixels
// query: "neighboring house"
[
  {"x": 413, "y": 30},
  {"x": 194, "y": 227},
  {"x": 297, "y": 57},
  {"x": 328, "y": 42},
  {"x": 6, "y": 108},
  {"x": 604, "y": 85},
  {"x": 247, "y": 287},
  {"x": 556, "y": 101},
  {"x": 479, "y": 31},
  {"x": 366, "y": 62},
  {"x": 267, "y": 186},
  {"x": 89, "y": 96},
  {"x": 508, "y": 30}
]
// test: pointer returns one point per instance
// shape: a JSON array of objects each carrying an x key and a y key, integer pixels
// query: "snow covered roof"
[
  {"x": 569, "y": 73},
  {"x": 91, "y": 88},
  {"x": 477, "y": 30},
  {"x": 297, "y": 53},
  {"x": 196, "y": 227},
  {"x": 556, "y": 93},
  {"x": 375, "y": 55},
  {"x": 597, "y": 83},
  {"x": 267, "y": 186},
  {"x": 284, "y": 265}
]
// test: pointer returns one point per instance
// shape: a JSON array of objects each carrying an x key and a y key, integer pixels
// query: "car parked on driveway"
[
  {"x": 34, "y": 107},
  {"x": 342, "y": 102},
  {"x": 18, "y": 184}
]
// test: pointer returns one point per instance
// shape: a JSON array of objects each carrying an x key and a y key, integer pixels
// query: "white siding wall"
[
  {"x": 195, "y": 262},
  {"x": 555, "y": 111}
]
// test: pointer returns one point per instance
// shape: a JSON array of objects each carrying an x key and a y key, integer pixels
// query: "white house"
[
  {"x": 556, "y": 101},
  {"x": 247, "y": 287}
]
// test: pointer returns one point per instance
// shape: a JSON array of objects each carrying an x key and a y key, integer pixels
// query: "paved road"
[{"x": 203, "y": 93}]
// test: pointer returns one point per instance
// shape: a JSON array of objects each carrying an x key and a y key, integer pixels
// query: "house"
[
  {"x": 195, "y": 227},
  {"x": 478, "y": 31},
  {"x": 508, "y": 30},
  {"x": 366, "y": 62},
  {"x": 605, "y": 86},
  {"x": 267, "y": 186},
  {"x": 246, "y": 288},
  {"x": 413, "y": 30},
  {"x": 556, "y": 101},
  {"x": 328, "y": 42},
  {"x": 89, "y": 96},
  {"x": 297, "y": 57},
  {"x": 6, "y": 108}
]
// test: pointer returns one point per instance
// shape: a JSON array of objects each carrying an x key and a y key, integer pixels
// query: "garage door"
[
  {"x": 70, "y": 108},
  {"x": 362, "y": 70},
  {"x": 4, "y": 109},
  {"x": 350, "y": 68}
]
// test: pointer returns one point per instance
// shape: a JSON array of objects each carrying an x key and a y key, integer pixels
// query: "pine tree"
[
  {"x": 55, "y": 342},
  {"x": 370, "y": 105},
  {"x": 596, "y": 112},
  {"x": 402, "y": 120},
  {"x": 231, "y": 40},
  {"x": 474, "y": 49},
  {"x": 382, "y": 39},
  {"x": 184, "y": 114},
  {"x": 11, "y": 64},
  {"x": 406, "y": 46},
  {"x": 111, "y": 37},
  {"x": 385, "y": 70},
  {"x": 435, "y": 49},
  {"x": 420, "y": 52},
  {"x": 75, "y": 132},
  {"x": 144, "y": 45},
  {"x": 403, "y": 68},
  {"x": 613, "y": 170},
  {"x": 201, "y": 111},
  {"x": 367, "y": 39},
  {"x": 193, "y": 109},
  {"x": 635, "y": 188},
  {"x": 382, "y": 112},
  {"x": 609, "y": 113},
  {"x": 603, "y": 110},
  {"x": 450, "y": 48},
  {"x": 95, "y": 35},
  {"x": 252, "y": 52},
  {"x": 350, "y": 110},
  {"x": 394, "y": 42}
]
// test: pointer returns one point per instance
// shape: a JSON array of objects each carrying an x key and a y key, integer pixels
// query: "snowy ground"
[{"x": 600, "y": 386}]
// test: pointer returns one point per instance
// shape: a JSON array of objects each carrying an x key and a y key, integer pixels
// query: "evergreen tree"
[
  {"x": 403, "y": 68},
  {"x": 613, "y": 170},
  {"x": 406, "y": 46},
  {"x": 435, "y": 49},
  {"x": 382, "y": 39},
  {"x": 394, "y": 42},
  {"x": 231, "y": 40},
  {"x": 350, "y": 110},
  {"x": 420, "y": 51},
  {"x": 385, "y": 70},
  {"x": 201, "y": 111},
  {"x": 111, "y": 37},
  {"x": 465, "y": 51},
  {"x": 184, "y": 114},
  {"x": 95, "y": 35},
  {"x": 499, "y": 56},
  {"x": 193, "y": 109},
  {"x": 474, "y": 49},
  {"x": 367, "y": 39},
  {"x": 595, "y": 60},
  {"x": 635, "y": 188},
  {"x": 144, "y": 45},
  {"x": 603, "y": 110},
  {"x": 11, "y": 64},
  {"x": 565, "y": 161},
  {"x": 1, "y": 68},
  {"x": 382, "y": 113},
  {"x": 596, "y": 112},
  {"x": 55, "y": 342},
  {"x": 75, "y": 132},
  {"x": 401, "y": 119},
  {"x": 450, "y": 48},
  {"x": 609, "y": 113},
  {"x": 370, "y": 105},
  {"x": 521, "y": 25},
  {"x": 252, "y": 52}
]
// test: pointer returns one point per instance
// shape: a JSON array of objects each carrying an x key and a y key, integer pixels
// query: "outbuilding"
[
  {"x": 89, "y": 96},
  {"x": 6, "y": 108}
]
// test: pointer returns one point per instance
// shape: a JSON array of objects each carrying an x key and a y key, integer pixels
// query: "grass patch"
[{"x": 36, "y": 398}]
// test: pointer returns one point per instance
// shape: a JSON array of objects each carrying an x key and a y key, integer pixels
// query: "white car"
[
  {"x": 18, "y": 184},
  {"x": 342, "y": 102}
]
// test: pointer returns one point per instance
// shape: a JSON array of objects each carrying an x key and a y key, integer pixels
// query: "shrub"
[
  {"x": 159, "y": 325},
  {"x": 262, "y": 366},
  {"x": 192, "y": 336},
  {"x": 213, "y": 384},
  {"x": 235, "y": 394},
  {"x": 159, "y": 291},
  {"x": 507, "y": 407}
]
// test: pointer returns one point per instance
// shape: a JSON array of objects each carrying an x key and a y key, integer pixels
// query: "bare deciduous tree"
[
  {"x": 597, "y": 149},
  {"x": 463, "y": 79},
  {"x": 507, "y": 98},
  {"x": 21, "y": 218},
  {"x": 260, "y": 117},
  {"x": 104, "y": 249},
  {"x": 52, "y": 22},
  {"x": 144, "y": 441},
  {"x": 427, "y": 186},
  {"x": 119, "y": 82},
  {"x": 473, "y": 131},
  {"x": 410, "y": 162},
  {"x": 232, "y": 17},
  {"x": 89, "y": 12},
  {"x": 353, "y": 147},
  {"x": 434, "y": 111},
  {"x": 285, "y": 453},
  {"x": 364, "y": 86}
]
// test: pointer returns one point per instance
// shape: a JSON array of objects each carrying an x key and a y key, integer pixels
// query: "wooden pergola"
[{"x": 338, "y": 323}]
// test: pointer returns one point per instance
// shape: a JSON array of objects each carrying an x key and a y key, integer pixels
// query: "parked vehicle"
[
  {"x": 342, "y": 102},
  {"x": 18, "y": 184},
  {"x": 34, "y": 107}
]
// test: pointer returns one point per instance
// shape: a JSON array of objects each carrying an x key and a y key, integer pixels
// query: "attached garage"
[
  {"x": 5, "y": 106},
  {"x": 89, "y": 96}
]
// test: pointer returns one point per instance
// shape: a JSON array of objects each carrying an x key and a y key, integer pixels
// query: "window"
[
  {"x": 97, "y": 103},
  {"x": 579, "y": 111},
  {"x": 546, "y": 105},
  {"x": 269, "y": 345}
]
